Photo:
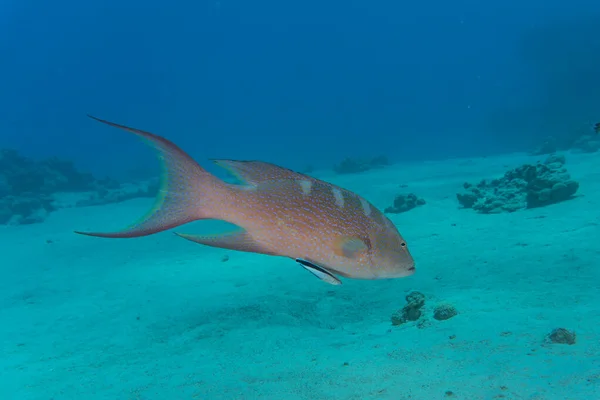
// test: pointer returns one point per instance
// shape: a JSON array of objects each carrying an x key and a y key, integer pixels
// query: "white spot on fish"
[
  {"x": 366, "y": 207},
  {"x": 306, "y": 187},
  {"x": 339, "y": 197},
  {"x": 387, "y": 222}
]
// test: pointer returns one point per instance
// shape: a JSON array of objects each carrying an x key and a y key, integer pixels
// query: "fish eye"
[{"x": 403, "y": 244}]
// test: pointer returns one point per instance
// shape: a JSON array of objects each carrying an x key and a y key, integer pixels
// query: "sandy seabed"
[{"x": 163, "y": 318}]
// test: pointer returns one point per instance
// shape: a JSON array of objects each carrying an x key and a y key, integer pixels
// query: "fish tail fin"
[{"x": 187, "y": 192}]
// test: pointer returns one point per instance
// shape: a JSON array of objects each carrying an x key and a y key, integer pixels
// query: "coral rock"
[
  {"x": 411, "y": 311},
  {"x": 562, "y": 336},
  {"x": 444, "y": 311},
  {"x": 29, "y": 189},
  {"x": 528, "y": 186},
  {"x": 405, "y": 202}
]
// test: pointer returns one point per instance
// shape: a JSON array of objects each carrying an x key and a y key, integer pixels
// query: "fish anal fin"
[
  {"x": 320, "y": 272},
  {"x": 238, "y": 240}
]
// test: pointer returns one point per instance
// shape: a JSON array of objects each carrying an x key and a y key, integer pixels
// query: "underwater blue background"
[
  {"x": 298, "y": 82},
  {"x": 461, "y": 96}
]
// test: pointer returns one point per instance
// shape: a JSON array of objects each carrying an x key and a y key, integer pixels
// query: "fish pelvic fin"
[
  {"x": 320, "y": 272},
  {"x": 187, "y": 192},
  {"x": 239, "y": 240}
]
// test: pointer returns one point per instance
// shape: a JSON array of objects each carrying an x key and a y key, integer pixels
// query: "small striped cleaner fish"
[{"x": 329, "y": 231}]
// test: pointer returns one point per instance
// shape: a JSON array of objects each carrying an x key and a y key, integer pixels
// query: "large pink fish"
[{"x": 328, "y": 230}]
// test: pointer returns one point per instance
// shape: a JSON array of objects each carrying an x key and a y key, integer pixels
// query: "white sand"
[{"x": 163, "y": 318}]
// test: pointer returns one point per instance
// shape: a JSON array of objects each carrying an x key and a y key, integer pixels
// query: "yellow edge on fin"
[
  {"x": 159, "y": 200},
  {"x": 231, "y": 170}
]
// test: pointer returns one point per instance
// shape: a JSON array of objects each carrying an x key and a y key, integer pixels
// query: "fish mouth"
[
  {"x": 402, "y": 272},
  {"x": 409, "y": 271}
]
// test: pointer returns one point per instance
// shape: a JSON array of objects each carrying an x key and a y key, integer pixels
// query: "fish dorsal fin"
[
  {"x": 318, "y": 271},
  {"x": 255, "y": 172},
  {"x": 350, "y": 246},
  {"x": 239, "y": 240}
]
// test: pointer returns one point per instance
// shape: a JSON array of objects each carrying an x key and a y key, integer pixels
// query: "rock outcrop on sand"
[
  {"x": 30, "y": 189},
  {"x": 527, "y": 186},
  {"x": 405, "y": 202}
]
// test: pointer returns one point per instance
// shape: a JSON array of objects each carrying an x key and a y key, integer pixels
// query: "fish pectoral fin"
[
  {"x": 239, "y": 240},
  {"x": 320, "y": 272},
  {"x": 350, "y": 246}
]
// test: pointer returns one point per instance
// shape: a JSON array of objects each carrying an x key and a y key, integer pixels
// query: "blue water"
[
  {"x": 315, "y": 80},
  {"x": 449, "y": 92}
]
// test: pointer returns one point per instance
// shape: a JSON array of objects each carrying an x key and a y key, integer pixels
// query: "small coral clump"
[
  {"x": 411, "y": 311},
  {"x": 444, "y": 311},
  {"x": 404, "y": 202},
  {"x": 561, "y": 336},
  {"x": 415, "y": 308},
  {"x": 528, "y": 186}
]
